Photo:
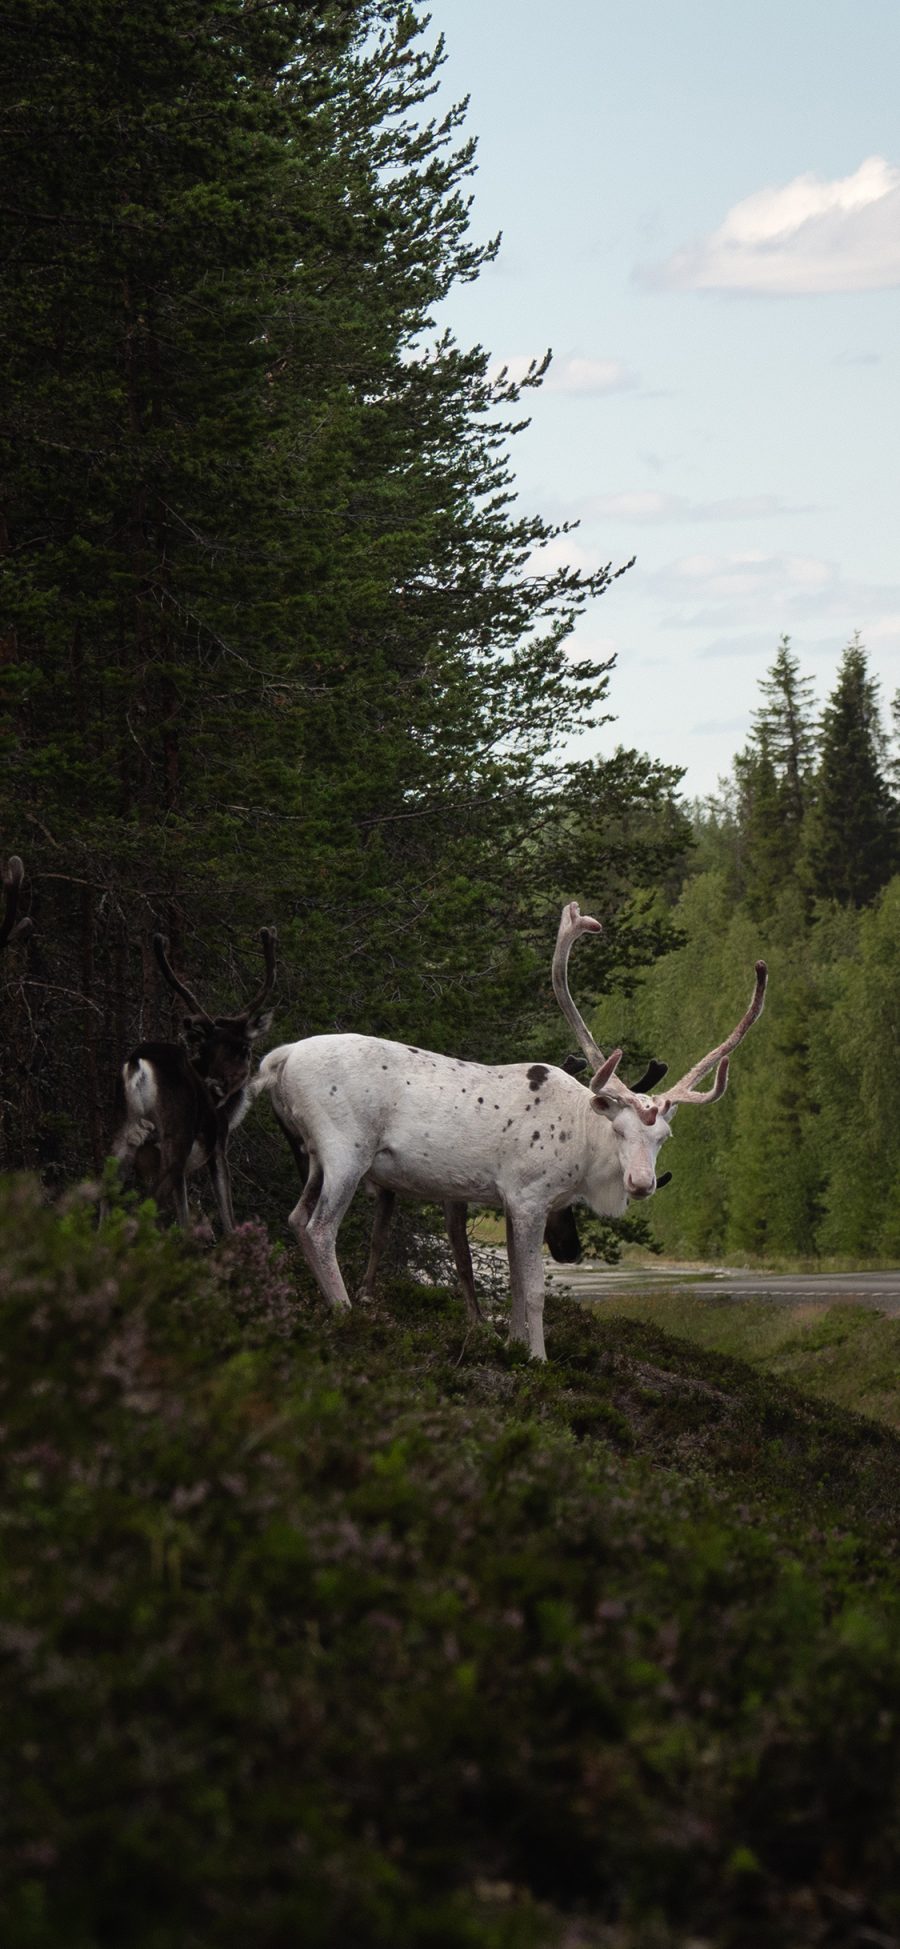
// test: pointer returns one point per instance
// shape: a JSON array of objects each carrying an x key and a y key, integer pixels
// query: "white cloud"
[
  {"x": 738, "y": 605},
  {"x": 648, "y": 505},
  {"x": 884, "y": 628},
  {"x": 579, "y": 376},
  {"x": 590, "y": 376},
  {"x": 755, "y": 643},
  {"x": 718, "y": 726},
  {"x": 715, "y": 579},
  {"x": 807, "y": 237},
  {"x": 563, "y": 551}
]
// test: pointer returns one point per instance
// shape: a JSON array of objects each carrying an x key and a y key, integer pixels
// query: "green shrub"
[{"x": 370, "y": 1632}]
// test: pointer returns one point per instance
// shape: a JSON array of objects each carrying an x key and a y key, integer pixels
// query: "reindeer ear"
[
  {"x": 607, "y": 1069},
  {"x": 574, "y": 1065},
  {"x": 259, "y": 1024}
]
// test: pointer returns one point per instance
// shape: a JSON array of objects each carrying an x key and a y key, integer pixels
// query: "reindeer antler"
[
  {"x": 160, "y": 948},
  {"x": 573, "y": 923},
  {"x": 268, "y": 937},
  {"x": 12, "y": 877},
  {"x": 653, "y": 1074},
  {"x": 683, "y": 1091}
]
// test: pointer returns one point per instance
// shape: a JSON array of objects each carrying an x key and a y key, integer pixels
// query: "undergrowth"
[{"x": 370, "y": 1632}]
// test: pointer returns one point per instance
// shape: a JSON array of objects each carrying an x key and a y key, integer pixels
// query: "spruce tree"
[
  {"x": 764, "y": 849},
  {"x": 772, "y": 780},
  {"x": 851, "y": 840},
  {"x": 276, "y": 648},
  {"x": 784, "y": 727}
]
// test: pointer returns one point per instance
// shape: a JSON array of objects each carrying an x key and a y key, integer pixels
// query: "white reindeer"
[{"x": 520, "y": 1137}]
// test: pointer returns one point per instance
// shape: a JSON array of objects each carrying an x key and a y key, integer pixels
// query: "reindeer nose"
[{"x": 639, "y": 1190}]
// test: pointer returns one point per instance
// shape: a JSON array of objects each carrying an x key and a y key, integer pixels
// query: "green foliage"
[
  {"x": 277, "y": 646},
  {"x": 783, "y": 728},
  {"x": 370, "y": 1631},
  {"x": 851, "y": 842},
  {"x": 694, "y": 995},
  {"x": 857, "y": 1076},
  {"x": 803, "y": 1156},
  {"x": 754, "y": 829}
]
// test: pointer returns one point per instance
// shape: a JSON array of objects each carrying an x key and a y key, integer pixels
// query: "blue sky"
[{"x": 700, "y": 206}]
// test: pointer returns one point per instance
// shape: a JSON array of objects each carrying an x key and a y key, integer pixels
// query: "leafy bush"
[{"x": 370, "y": 1632}]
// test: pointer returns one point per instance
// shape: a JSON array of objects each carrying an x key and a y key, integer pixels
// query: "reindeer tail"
[{"x": 268, "y": 1075}]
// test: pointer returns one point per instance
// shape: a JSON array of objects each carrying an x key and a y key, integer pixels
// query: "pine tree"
[
  {"x": 772, "y": 779},
  {"x": 764, "y": 848},
  {"x": 784, "y": 727},
  {"x": 856, "y": 1068},
  {"x": 276, "y": 649},
  {"x": 851, "y": 838}
]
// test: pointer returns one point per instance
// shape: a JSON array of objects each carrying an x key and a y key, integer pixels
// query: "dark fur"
[
  {"x": 200, "y": 1094},
  {"x": 11, "y": 879}
]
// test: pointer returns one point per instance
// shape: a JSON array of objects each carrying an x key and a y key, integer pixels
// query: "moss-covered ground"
[{"x": 370, "y": 1633}]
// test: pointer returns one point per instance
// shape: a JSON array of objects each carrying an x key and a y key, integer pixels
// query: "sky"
[{"x": 700, "y": 208}]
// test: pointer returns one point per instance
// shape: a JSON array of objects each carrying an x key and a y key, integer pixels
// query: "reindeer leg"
[
  {"x": 385, "y": 1202},
  {"x": 315, "y": 1222},
  {"x": 221, "y": 1183},
  {"x": 123, "y": 1152},
  {"x": 172, "y": 1184},
  {"x": 299, "y": 1150},
  {"x": 524, "y": 1234},
  {"x": 456, "y": 1216},
  {"x": 306, "y": 1204},
  {"x": 561, "y": 1235}
]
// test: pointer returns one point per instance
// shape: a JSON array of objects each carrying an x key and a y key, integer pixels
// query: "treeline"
[
  {"x": 797, "y": 860},
  {"x": 277, "y": 645}
]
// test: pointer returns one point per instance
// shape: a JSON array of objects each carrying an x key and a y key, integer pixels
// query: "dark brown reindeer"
[
  {"x": 11, "y": 879},
  {"x": 176, "y": 1107}
]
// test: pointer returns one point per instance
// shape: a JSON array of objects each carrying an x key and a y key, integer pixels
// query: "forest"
[
  {"x": 369, "y": 1630},
  {"x": 277, "y": 647},
  {"x": 797, "y": 859}
]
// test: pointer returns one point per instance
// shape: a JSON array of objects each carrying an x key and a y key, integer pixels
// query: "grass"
[
  {"x": 846, "y": 1354},
  {"x": 372, "y": 1633}
]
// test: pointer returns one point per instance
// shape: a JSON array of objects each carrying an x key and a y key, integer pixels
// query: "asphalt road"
[{"x": 594, "y": 1281}]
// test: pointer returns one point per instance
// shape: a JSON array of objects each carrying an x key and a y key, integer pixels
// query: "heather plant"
[{"x": 368, "y": 1631}]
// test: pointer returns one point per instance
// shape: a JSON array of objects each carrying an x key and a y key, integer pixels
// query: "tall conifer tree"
[
  {"x": 785, "y": 725},
  {"x": 277, "y": 648},
  {"x": 852, "y": 834}
]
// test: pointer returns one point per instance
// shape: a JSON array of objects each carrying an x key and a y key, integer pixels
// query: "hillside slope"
[{"x": 371, "y": 1633}]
